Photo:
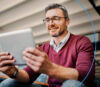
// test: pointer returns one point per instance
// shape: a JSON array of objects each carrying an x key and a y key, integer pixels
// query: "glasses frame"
[{"x": 54, "y": 18}]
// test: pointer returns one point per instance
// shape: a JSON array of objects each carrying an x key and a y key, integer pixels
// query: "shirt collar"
[{"x": 62, "y": 42}]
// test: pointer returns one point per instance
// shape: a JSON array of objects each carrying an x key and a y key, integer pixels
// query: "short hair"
[{"x": 55, "y": 5}]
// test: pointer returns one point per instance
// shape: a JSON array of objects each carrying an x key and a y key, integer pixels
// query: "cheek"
[{"x": 63, "y": 25}]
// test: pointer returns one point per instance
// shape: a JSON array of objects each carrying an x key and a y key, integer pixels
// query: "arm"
[
  {"x": 7, "y": 67},
  {"x": 85, "y": 55},
  {"x": 63, "y": 73},
  {"x": 84, "y": 59},
  {"x": 26, "y": 75},
  {"x": 39, "y": 62},
  {"x": 22, "y": 76}
]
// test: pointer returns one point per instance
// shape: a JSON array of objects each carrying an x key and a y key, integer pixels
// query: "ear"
[{"x": 67, "y": 21}]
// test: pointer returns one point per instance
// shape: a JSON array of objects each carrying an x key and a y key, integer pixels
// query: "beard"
[
  {"x": 58, "y": 34},
  {"x": 56, "y": 27}
]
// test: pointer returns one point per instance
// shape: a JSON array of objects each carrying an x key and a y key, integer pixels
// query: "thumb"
[{"x": 37, "y": 46}]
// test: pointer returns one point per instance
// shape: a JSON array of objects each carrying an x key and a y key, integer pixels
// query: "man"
[{"x": 66, "y": 57}]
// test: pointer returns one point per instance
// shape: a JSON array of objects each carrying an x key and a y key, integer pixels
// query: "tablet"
[{"x": 15, "y": 42}]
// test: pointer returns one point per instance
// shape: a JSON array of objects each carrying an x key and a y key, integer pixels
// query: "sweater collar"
[{"x": 61, "y": 44}]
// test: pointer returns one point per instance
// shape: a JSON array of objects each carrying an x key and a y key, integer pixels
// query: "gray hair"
[{"x": 55, "y": 5}]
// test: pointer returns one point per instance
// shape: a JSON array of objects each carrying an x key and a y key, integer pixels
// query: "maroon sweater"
[{"x": 76, "y": 53}]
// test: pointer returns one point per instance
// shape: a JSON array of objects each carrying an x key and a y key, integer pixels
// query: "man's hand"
[
  {"x": 37, "y": 59},
  {"x": 6, "y": 63}
]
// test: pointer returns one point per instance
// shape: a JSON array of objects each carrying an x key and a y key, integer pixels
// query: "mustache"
[{"x": 53, "y": 26}]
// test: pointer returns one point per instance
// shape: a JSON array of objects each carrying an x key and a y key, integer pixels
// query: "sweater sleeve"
[
  {"x": 85, "y": 59},
  {"x": 32, "y": 75}
]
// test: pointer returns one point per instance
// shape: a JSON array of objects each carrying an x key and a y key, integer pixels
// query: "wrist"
[
  {"x": 53, "y": 69},
  {"x": 13, "y": 72}
]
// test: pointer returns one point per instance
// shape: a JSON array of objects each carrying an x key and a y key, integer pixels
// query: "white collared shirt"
[{"x": 61, "y": 44}]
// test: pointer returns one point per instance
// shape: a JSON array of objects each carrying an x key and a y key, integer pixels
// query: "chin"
[
  {"x": 52, "y": 34},
  {"x": 55, "y": 35}
]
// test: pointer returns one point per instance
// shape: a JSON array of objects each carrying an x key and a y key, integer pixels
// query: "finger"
[
  {"x": 35, "y": 63},
  {"x": 34, "y": 51},
  {"x": 37, "y": 46},
  {"x": 6, "y": 58},
  {"x": 34, "y": 68},
  {"x": 32, "y": 57},
  {"x": 6, "y": 62},
  {"x": 4, "y": 53},
  {"x": 4, "y": 69}
]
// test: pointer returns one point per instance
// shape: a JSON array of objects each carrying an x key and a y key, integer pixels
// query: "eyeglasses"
[{"x": 54, "y": 19}]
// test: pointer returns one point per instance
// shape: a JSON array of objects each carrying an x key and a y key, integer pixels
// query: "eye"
[
  {"x": 47, "y": 19},
  {"x": 56, "y": 18}
]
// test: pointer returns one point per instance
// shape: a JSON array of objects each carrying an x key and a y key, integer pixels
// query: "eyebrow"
[{"x": 53, "y": 16}]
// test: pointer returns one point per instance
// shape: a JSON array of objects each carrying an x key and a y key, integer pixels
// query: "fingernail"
[
  {"x": 12, "y": 57},
  {"x": 8, "y": 53},
  {"x": 14, "y": 61}
]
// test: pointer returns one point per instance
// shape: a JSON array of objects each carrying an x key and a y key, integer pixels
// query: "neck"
[{"x": 58, "y": 39}]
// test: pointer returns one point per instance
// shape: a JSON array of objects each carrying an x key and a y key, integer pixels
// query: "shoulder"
[
  {"x": 83, "y": 43},
  {"x": 80, "y": 39}
]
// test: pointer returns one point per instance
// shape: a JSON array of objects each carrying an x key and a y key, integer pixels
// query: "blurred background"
[{"x": 23, "y": 14}]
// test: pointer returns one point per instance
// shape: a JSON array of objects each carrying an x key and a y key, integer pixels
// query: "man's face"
[{"x": 55, "y": 22}]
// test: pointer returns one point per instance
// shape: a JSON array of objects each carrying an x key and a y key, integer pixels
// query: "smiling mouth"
[{"x": 53, "y": 27}]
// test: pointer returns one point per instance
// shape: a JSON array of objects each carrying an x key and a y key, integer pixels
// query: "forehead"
[{"x": 54, "y": 12}]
